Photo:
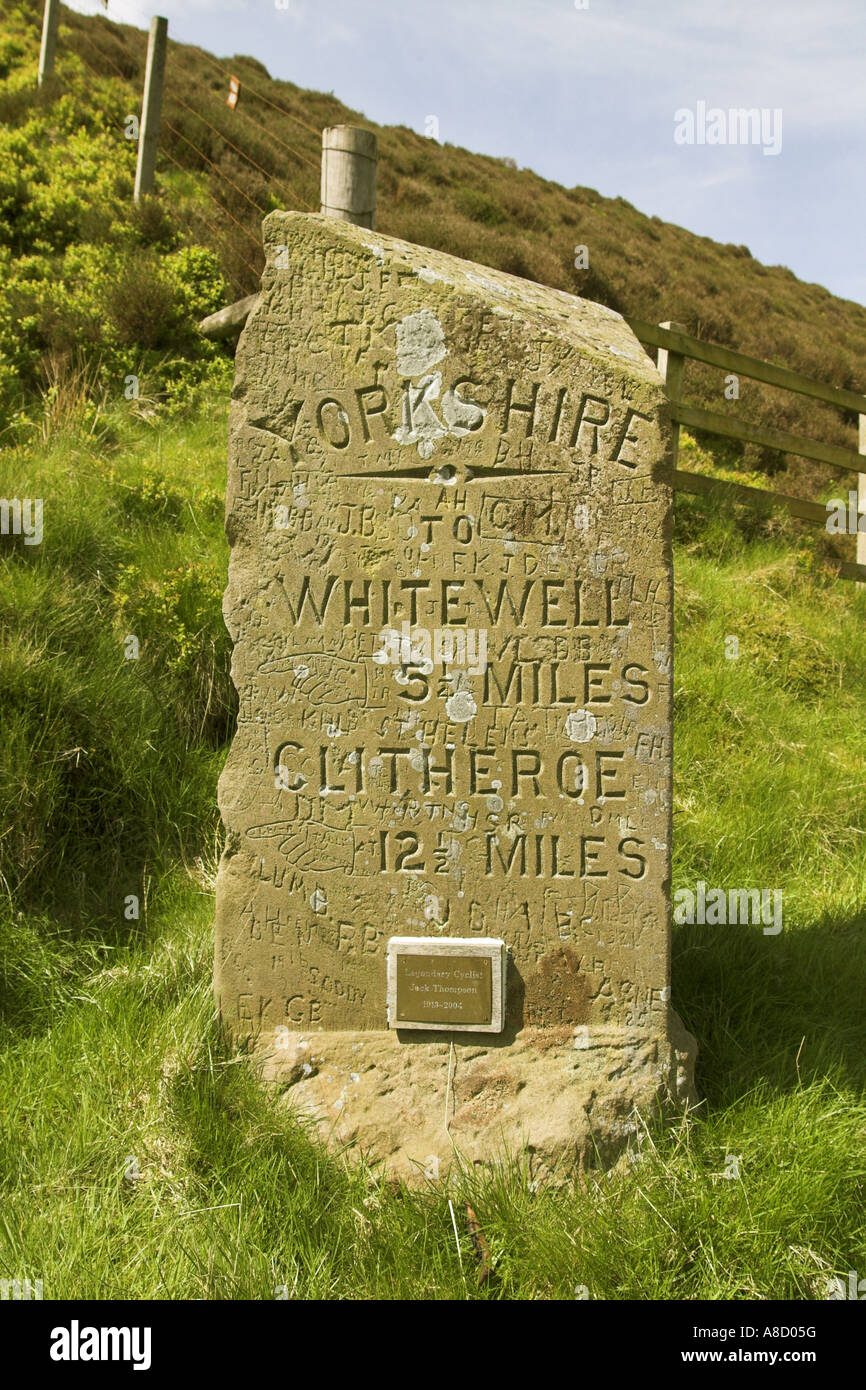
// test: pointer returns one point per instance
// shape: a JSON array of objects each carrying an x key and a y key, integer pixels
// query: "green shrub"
[
  {"x": 479, "y": 207},
  {"x": 141, "y": 303}
]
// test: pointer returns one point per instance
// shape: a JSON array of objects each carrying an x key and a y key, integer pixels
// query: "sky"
[{"x": 608, "y": 94}]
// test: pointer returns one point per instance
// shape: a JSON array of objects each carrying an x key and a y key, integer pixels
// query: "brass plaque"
[{"x": 444, "y": 989}]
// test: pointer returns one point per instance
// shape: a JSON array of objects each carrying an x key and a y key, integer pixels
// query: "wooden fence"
[{"x": 675, "y": 345}]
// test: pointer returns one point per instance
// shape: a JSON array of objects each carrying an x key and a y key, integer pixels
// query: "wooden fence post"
[
  {"x": 672, "y": 365},
  {"x": 148, "y": 135},
  {"x": 349, "y": 156},
  {"x": 49, "y": 39},
  {"x": 861, "y": 500}
]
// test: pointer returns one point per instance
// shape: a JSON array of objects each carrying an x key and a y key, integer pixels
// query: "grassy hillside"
[
  {"x": 266, "y": 154},
  {"x": 138, "y": 1156}
]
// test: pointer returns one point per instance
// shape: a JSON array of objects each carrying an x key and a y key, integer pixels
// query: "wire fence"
[
  {"x": 197, "y": 138},
  {"x": 191, "y": 128}
]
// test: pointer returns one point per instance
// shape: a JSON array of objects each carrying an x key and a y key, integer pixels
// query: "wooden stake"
[
  {"x": 148, "y": 136},
  {"x": 49, "y": 40},
  {"x": 349, "y": 156}
]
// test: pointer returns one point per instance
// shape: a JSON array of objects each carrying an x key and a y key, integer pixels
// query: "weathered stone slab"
[{"x": 450, "y": 596}]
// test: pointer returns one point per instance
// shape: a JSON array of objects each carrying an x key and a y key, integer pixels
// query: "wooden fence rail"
[
  {"x": 679, "y": 341},
  {"x": 675, "y": 345}
]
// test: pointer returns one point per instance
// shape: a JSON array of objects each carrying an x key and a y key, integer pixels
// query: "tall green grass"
[
  {"x": 139, "y": 1155},
  {"x": 108, "y": 763}
]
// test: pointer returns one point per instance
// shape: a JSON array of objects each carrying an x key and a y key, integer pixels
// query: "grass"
[{"x": 140, "y": 1158}]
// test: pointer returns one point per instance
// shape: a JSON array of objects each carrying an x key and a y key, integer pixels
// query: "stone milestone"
[{"x": 450, "y": 599}]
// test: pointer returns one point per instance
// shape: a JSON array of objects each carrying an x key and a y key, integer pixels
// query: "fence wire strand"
[
  {"x": 253, "y": 92},
  {"x": 173, "y": 128},
  {"x": 244, "y": 83},
  {"x": 215, "y": 231},
  {"x": 272, "y": 178},
  {"x": 280, "y": 183},
  {"x": 192, "y": 146},
  {"x": 236, "y": 186},
  {"x": 240, "y": 113},
  {"x": 219, "y": 206}
]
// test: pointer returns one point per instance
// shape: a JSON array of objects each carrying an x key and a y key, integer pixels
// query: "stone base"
[{"x": 560, "y": 1099}]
